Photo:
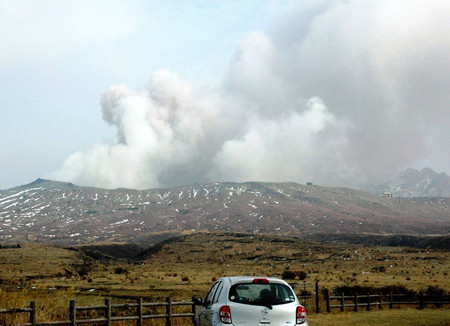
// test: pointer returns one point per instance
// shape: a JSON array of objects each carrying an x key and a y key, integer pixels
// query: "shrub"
[
  {"x": 360, "y": 289},
  {"x": 380, "y": 269},
  {"x": 82, "y": 270},
  {"x": 291, "y": 275},
  {"x": 434, "y": 291},
  {"x": 305, "y": 293},
  {"x": 288, "y": 275},
  {"x": 120, "y": 270},
  {"x": 301, "y": 275},
  {"x": 398, "y": 289}
]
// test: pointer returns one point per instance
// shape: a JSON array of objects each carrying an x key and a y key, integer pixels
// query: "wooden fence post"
[
  {"x": 342, "y": 302},
  {"x": 73, "y": 313},
  {"x": 327, "y": 298},
  {"x": 368, "y": 302},
  {"x": 108, "y": 311},
  {"x": 391, "y": 301},
  {"x": 139, "y": 321},
  {"x": 33, "y": 313},
  {"x": 355, "y": 302},
  {"x": 317, "y": 297},
  {"x": 421, "y": 305},
  {"x": 380, "y": 305},
  {"x": 168, "y": 312},
  {"x": 193, "y": 312}
]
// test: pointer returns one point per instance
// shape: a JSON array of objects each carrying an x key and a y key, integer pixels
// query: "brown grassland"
[
  {"x": 397, "y": 317},
  {"x": 53, "y": 275}
]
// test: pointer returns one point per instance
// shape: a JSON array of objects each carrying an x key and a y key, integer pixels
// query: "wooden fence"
[
  {"x": 105, "y": 314},
  {"x": 309, "y": 294},
  {"x": 109, "y": 313},
  {"x": 367, "y": 301}
]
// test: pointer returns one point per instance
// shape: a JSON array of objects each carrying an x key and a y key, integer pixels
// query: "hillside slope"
[{"x": 64, "y": 213}]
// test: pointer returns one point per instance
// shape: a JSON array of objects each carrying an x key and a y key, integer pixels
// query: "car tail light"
[
  {"x": 260, "y": 280},
  {"x": 300, "y": 317},
  {"x": 225, "y": 314}
]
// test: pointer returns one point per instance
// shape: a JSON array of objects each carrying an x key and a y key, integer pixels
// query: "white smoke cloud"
[
  {"x": 294, "y": 147},
  {"x": 162, "y": 130},
  {"x": 335, "y": 92}
]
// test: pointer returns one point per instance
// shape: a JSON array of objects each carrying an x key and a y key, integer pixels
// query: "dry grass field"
[
  {"x": 402, "y": 317},
  {"x": 53, "y": 275}
]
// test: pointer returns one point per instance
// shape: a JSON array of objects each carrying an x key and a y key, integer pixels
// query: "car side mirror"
[{"x": 197, "y": 301}]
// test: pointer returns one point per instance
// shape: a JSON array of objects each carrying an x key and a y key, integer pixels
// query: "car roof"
[{"x": 249, "y": 279}]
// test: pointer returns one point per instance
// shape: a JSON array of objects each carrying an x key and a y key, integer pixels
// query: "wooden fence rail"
[
  {"x": 367, "y": 301},
  {"x": 148, "y": 310},
  {"x": 108, "y": 318},
  {"x": 308, "y": 300}
]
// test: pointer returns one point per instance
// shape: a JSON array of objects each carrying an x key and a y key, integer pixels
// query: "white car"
[{"x": 250, "y": 301}]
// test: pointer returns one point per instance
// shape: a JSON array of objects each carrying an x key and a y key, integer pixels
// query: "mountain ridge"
[
  {"x": 60, "y": 212},
  {"x": 414, "y": 183}
]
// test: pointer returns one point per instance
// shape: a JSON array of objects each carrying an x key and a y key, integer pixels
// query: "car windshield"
[{"x": 261, "y": 294}]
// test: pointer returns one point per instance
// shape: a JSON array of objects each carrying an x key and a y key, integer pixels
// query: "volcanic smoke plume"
[{"x": 336, "y": 92}]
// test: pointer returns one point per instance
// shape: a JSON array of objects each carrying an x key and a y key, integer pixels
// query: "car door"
[
  {"x": 204, "y": 318},
  {"x": 212, "y": 311}
]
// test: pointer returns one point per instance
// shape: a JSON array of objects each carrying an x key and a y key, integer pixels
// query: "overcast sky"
[{"x": 145, "y": 94}]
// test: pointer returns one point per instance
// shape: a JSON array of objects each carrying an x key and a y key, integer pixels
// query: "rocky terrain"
[
  {"x": 63, "y": 213},
  {"x": 415, "y": 183}
]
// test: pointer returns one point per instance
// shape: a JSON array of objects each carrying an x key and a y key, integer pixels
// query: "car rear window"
[{"x": 267, "y": 294}]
